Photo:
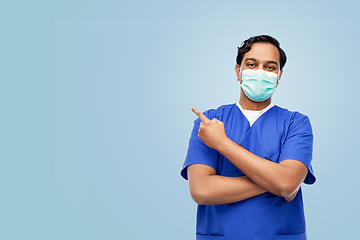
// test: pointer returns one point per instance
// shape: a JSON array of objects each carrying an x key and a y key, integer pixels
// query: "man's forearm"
[
  {"x": 222, "y": 190},
  {"x": 212, "y": 189},
  {"x": 273, "y": 177}
]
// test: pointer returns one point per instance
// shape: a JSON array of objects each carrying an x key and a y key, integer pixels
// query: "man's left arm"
[{"x": 282, "y": 179}]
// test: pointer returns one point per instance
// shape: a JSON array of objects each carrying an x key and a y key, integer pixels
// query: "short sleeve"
[
  {"x": 298, "y": 144},
  {"x": 198, "y": 152}
]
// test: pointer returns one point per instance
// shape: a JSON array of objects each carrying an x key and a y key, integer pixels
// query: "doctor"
[{"x": 246, "y": 161}]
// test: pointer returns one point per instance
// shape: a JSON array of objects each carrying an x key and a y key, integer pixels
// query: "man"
[{"x": 246, "y": 161}]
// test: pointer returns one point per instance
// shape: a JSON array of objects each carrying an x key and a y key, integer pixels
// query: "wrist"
[{"x": 224, "y": 144}]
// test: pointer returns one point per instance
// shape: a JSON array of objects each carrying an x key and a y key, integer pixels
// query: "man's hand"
[{"x": 212, "y": 132}]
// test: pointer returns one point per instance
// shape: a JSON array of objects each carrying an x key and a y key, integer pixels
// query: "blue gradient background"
[{"x": 96, "y": 97}]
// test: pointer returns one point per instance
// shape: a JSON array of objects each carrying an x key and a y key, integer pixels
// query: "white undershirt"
[{"x": 252, "y": 115}]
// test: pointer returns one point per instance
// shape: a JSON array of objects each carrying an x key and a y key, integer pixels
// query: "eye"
[
  {"x": 250, "y": 64},
  {"x": 271, "y": 68}
]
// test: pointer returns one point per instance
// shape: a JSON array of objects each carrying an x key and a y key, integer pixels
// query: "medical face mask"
[{"x": 258, "y": 85}]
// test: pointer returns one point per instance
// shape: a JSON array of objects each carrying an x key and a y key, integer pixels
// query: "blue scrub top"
[{"x": 276, "y": 135}]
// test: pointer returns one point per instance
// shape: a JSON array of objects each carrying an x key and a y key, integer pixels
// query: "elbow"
[
  {"x": 286, "y": 190},
  {"x": 200, "y": 196},
  {"x": 286, "y": 193}
]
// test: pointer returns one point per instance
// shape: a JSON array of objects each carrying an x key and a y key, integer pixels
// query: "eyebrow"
[
  {"x": 250, "y": 59},
  {"x": 272, "y": 62},
  {"x": 268, "y": 62}
]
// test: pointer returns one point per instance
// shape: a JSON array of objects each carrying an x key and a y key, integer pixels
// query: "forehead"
[{"x": 263, "y": 52}]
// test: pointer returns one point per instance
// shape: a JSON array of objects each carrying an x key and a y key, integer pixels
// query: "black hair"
[{"x": 247, "y": 44}]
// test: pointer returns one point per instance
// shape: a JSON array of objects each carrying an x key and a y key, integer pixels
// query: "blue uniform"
[{"x": 276, "y": 135}]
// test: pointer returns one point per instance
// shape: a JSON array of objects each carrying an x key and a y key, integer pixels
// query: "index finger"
[{"x": 200, "y": 115}]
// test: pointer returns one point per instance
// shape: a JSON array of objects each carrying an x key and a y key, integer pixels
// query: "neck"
[{"x": 248, "y": 104}]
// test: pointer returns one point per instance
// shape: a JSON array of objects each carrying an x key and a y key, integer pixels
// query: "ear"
[
  {"x": 237, "y": 70},
  {"x": 280, "y": 74}
]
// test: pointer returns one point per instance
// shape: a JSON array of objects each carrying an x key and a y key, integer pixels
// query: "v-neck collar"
[{"x": 261, "y": 112}]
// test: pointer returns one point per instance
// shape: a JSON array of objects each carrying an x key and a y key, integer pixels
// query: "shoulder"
[
  {"x": 219, "y": 113},
  {"x": 293, "y": 119},
  {"x": 291, "y": 115}
]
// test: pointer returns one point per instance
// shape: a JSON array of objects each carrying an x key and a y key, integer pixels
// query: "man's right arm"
[{"x": 207, "y": 188}]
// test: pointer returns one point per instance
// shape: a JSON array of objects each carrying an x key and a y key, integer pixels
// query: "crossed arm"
[{"x": 282, "y": 179}]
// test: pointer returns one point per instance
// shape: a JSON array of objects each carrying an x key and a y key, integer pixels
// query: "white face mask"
[{"x": 258, "y": 85}]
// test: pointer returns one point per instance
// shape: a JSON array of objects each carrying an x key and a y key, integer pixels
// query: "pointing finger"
[{"x": 202, "y": 117}]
